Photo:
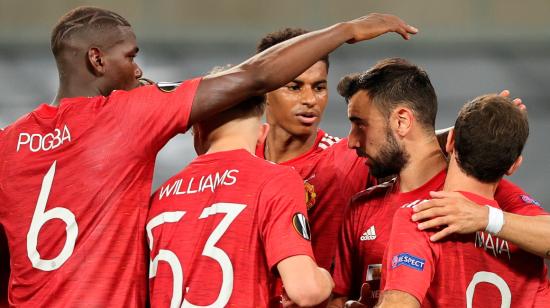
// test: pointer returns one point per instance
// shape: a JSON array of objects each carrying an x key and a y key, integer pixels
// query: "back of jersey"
[
  {"x": 75, "y": 182},
  {"x": 471, "y": 270},
  {"x": 217, "y": 229},
  {"x": 489, "y": 271}
]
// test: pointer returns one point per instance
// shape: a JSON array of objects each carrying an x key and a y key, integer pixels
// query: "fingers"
[
  {"x": 504, "y": 93},
  {"x": 404, "y": 29},
  {"x": 516, "y": 101},
  {"x": 428, "y": 213},
  {"x": 442, "y": 234},
  {"x": 433, "y": 223}
]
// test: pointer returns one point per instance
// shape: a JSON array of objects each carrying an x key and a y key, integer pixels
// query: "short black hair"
[
  {"x": 274, "y": 38},
  {"x": 393, "y": 82},
  {"x": 490, "y": 133},
  {"x": 82, "y": 19}
]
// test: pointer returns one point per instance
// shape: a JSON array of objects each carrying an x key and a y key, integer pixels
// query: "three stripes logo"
[
  {"x": 369, "y": 235},
  {"x": 301, "y": 225}
]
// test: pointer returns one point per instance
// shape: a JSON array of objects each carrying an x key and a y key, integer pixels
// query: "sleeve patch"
[
  {"x": 168, "y": 87},
  {"x": 527, "y": 199},
  {"x": 301, "y": 225},
  {"x": 408, "y": 260}
]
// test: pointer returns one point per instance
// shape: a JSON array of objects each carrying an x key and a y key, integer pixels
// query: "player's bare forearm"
[
  {"x": 397, "y": 299},
  {"x": 530, "y": 233},
  {"x": 305, "y": 284},
  {"x": 281, "y": 63}
]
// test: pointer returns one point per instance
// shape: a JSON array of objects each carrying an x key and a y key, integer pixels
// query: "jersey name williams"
[
  {"x": 197, "y": 185},
  {"x": 50, "y": 141}
]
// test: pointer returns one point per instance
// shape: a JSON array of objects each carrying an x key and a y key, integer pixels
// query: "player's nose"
[{"x": 308, "y": 97}]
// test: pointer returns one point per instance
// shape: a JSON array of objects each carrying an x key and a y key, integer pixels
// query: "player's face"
[
  {"x": 371, "y": 136},
  {"x": 122, "y": 72},
  {"x": 298, "y": 106}
]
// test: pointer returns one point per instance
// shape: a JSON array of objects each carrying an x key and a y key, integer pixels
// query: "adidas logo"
[{"x": 369, "y": 235}]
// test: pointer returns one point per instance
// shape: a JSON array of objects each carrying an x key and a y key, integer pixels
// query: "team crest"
[
  {"x": 310, "y": 194},
  {"x": 168, "y": 87},
  {"x": 301, "y": 225}
]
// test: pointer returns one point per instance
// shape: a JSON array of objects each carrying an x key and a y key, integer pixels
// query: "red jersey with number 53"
[
  {"x": 75, "y": 182},
  {"x": 218, "y": 229},
  {"x": 464, "y": 270}
]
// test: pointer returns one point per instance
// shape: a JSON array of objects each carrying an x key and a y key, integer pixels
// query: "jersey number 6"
[{"x": 40, "y": 217}]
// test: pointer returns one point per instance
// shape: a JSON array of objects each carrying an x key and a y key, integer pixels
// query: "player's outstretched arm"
[
  {"x": 281, "y": 63},
  {"x": 305, "y": 283},
  {"x": 456, "y": 214}
]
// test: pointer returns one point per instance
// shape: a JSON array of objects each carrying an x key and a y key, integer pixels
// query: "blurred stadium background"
[{"x": 468, "y": 47}]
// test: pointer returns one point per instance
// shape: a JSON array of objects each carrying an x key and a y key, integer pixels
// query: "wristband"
[{"x": 495, "y": 220}]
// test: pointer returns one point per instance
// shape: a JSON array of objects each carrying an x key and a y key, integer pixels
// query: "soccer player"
[
  {"x": 331, "y": 172},
  {"x": 392, "y": 108},
  {"x": 227, "y": 221},
  {"x": 75, "y": 176},
  {"x": 472, "y": 270}
]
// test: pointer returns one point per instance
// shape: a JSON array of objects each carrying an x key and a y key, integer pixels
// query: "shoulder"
[
  {"x": 512, "y": 198},
  {"x": 326, "y": 141}
]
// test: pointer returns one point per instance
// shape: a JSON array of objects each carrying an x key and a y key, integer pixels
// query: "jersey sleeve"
[
  {"x": 345, "y": 252},
  {"x": 150, "y": 116},
  {"x": 409, "y": 263},
  {"x": 512, "y": 199},
  {"x": 283, "y": 221}
]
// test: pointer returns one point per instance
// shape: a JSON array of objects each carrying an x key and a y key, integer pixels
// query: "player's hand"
[
  {"x": 452, "y": 212},
  {"x": 517, "y": 101},
  {"x": 375, "y": 24}
]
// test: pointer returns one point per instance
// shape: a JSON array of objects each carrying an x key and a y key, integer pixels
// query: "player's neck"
[
  {"x": 457, "y": 180},
  {"x": 281, "y": 146},
  {"x": 425, "y": 161},
  {"x": 233, "y": 135},
  {"x": 229, "y": 144},
  {"x": 68, "y": 90}
]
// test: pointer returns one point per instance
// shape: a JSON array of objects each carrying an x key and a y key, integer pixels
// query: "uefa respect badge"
[{"x": 408, "y": 260}]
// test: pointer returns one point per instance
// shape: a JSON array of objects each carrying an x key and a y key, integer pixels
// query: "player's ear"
[
  {"x": 96, "y": 62},
  {"x": 403, "y": 119},
  {"x": 450, "y": 145},
  {"x": 515, "y": 165},
  {"x": 262, "y": 133}
]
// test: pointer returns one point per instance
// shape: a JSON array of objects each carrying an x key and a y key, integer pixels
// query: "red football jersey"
[
  {"x": 365, "y": 234},
  {"x": 471, "y": 270},
  {"x": 332, "y": 174},
  {"x": 75, "y": 182},
  {"x": 220, "y": 227}
]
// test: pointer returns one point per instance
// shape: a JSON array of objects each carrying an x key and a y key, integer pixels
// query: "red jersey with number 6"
[
  {"x": 75, "y": 182},
  {"x": 464, "y": 270},
  {"x": 218, "y": 229}
]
